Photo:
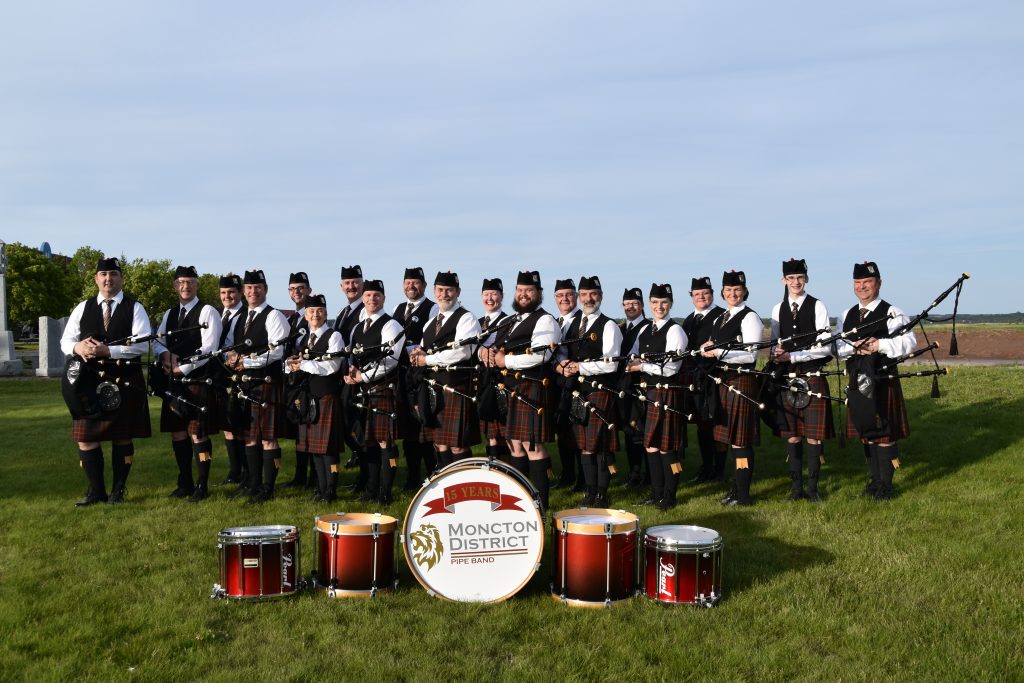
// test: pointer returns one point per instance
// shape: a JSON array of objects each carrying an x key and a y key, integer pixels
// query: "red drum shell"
[
  {"x": 683, "y": 565},
  {"x": 351, "y": 561},
  {"x": 599, "y": 565},
  {"x": 259, "y": 562}
]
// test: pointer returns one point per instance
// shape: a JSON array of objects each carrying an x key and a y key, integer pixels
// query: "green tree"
[
  {"x": 209, "y": 289},
  {"x": 36, "y": 286},
  {"x": 151, "y": 282},
  {"x": 81, "y": 273}
]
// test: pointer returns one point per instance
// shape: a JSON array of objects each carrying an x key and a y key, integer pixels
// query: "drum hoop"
[
  {"x": 475, "y": 463},
  {"x": 258, "y": 535},
  {"x": 385, "y": 524},
  {"x": 625, "y": 525},
  {"x": 651, "y": 537},
  {"x": 690, "y": 549}
]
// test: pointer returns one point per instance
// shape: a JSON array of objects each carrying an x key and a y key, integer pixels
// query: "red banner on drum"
[{"x": 473, "y": 490}]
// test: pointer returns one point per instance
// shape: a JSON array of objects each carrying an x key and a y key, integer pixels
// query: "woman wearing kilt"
[
  {"x": 664, "y": 426},
  {"x": 190, "y": 429},
  {"x": 596, "y": 436},
  {"x": 374, "y": 371},
  {"x": 886, "y": 424},
  {"x": 321, "y": 439},
  {"x": 801, "y": 313},
  {"x": 492, "y": 294},
  {"x": 110, "y": 315},
  {"x": 458, "y": 428},
  {"x": 265, "y": 328},
  {"x": 736, "y": 418},
  {"x": 528, "y": 426}
]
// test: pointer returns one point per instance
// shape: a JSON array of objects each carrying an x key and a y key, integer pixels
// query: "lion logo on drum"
[{"x": 426, "y": 544}]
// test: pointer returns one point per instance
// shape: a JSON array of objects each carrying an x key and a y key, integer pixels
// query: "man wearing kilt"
[
  {"x": 801, "y": 313},
  {"x": 321, "y": 439},
  {"x": 595, "y": 381},
  {"x": 298, "y": 290},
  {"x": 736, "y": 417},
  {"x": 109, "y": 316},
  {"x": 267, "y": 331},
  {"x": 459, "y": 428},
  {"x": 664, "y": 426},
  {"x": 492, "y": 294},
  {"x": 566, "y": 299},
  {"x": 415, "y": 446},
  {"x": 882, "y": 428},
  {"x": 631, "y": 410},
  {"x": 528, "y": 426},
  {"x": 344, "y": 322},
  {"x": 698, "y": 326},
  {"x": 190, "y": 429},
  {"x": 374, "y": 371},
  {"x": 234, "y": 444}
]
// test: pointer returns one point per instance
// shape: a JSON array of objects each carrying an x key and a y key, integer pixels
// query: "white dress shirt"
[
  {"x": 547, "y": 331},
  {"x": 893, "y": 347},
  {"x": 140, "y": 328},
  {"x": 466, "y": 327},
  {"x": 327, "y": 366},
  {"x": 391, "y": 331},
  {"x": 821, "y": 322},
  {"x": 277, "y": 330},
  {"x": 675, "y": 340},
  {"x": 210, "y": 335}
]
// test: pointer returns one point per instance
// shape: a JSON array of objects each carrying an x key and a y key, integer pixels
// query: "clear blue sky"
[{"x": 642, "y": 142}]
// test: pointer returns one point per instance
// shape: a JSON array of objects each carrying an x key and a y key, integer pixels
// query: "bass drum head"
[
  {"x": 678, "y": 536},
  {"x": 257, "y": 534},
  {"x": 474, "y": 532}
]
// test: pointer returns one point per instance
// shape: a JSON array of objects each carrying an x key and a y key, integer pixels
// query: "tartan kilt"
[
  {"x": 737, "y": 418},
  {"x": 203, "y": 425},
  {"x": 265, "y": 423},
  {"x": 492, "y": 429},
  {"x": 595, "y": 436},
  {"x": 459, "y": 425},
  {"x": 131, "y": 421},
  {"x": 381, "y": 427},
  {"x": 324, "y": 435},
  {"x": 523, "y": 423},
  {"x": 814, "y": 421},
  {"x": 663, "y": 429},
  {"x": 891, "y": 405}
]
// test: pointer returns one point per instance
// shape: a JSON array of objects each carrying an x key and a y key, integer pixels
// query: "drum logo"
[
  {"x": 426, "y": 544},
  {"x": 666, "y": 570},
  {"x": 286, "y": 564}
]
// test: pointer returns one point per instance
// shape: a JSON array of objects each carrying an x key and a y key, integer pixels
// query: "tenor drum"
[
  {"x": 474, "y": 532},
  {"x": 258, "y": 562},
  {"x": 354, "y": 554},
  {"x": 595, "y": 556},
  {"x": 683, "y": 565}
]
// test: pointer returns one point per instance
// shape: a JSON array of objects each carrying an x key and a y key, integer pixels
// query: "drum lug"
[{"x": 218, "y": 593}]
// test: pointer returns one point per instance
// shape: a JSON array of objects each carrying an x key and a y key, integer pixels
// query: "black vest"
[
  {"x": 258, "y": 336},
  {"x": 324, "y": 385},
  {"x": 491, "y": 325},
  {"x": 350, "y": 323},
  {"x": 226, "y": 329},
  {"x": 732, "y": 331},
  {"x": 804, "y": 321},
  {"x": 698, "y": 333},
  {"x": 370, "y": 338},
  {"x": 522, "y": 333},
  {"x": 120, "y": 327},
  {"x": 629, "y": 334},
  {"x": 878, "y": 331},
  {"x": 652, "y": 340},
  {"x": 587, "y": 349},
  {"x": 186, "y": 343},
  {"x": 440, "y": 341},
  {"x": 414, "y": 332}
]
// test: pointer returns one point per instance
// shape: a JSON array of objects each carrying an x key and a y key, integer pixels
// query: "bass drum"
[{"x": 474, "y": 532}]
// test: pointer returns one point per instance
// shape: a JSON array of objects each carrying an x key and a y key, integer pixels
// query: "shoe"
[
  {"x": 869, "y": 490},
  {"x": 228, "y": 480},
  {"x": 352, "y": 462},
  {"x": 260, "y": 497},
  {"x": 352, "y": 488},
  {"x": 91, "y": 498},
  {"x": 601, "y": 500},
  {"x": 884, "y": 493},
  {"x": 366, "y": 497},
  {"x": 117, "y": 496},
  {"x": 665, "y": 504},
  {"x": 736, "y": 502},
  {"x": 588, "y": 500},
  {"x": 239, "y": 492},
  {"x": 180, "y": 493},
  {"x": 199, "y": 494},
  {"x": 813, "y": 497},
  {"x": 729, "y": 496},
  {"x": 796, "y": 495},
  {"x": 650, "y": 500}
]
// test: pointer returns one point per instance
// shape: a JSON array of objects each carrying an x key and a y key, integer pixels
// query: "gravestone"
[{"x": 51, "y": 358}]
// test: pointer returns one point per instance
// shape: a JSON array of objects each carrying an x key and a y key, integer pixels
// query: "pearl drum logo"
[
  {"x": 474, "y": 532},
  {"x": 666, "y": 570}
]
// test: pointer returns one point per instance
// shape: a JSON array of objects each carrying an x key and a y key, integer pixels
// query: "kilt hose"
[
  {"x": 736, "y": 422},
  {"x": 523, "y": 423},
  {"x": 323, "y": 437},
  {"x": 201, "y": 426},
  {"x": 893, "y": 407},
  {"x": 380, "y": 426},
  {"x": 264, "y": 422},
  {"x": 595, "y": 436},
  {"x": 459, "y": 425},
  {"x": 812, "y": 422},
  {"x": 663, "y": 429}
]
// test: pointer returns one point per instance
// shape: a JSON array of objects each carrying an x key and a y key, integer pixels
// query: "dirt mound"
[{"x": 976, "y": 342}]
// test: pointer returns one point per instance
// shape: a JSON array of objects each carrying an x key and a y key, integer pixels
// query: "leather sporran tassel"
[
  {"x": 953, "y": 350},
  {"x": 935, "y": 387}
]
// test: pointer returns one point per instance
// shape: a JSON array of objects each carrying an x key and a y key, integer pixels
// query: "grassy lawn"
[{"x": 922, "y": 588}]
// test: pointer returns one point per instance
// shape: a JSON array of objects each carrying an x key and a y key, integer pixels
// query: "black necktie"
[
  {"x": 248, "y": 321},
  {"x": 227, "y": 317},
  {"x": 366, "y": 326},
  {"x": 583, "y": 325},
  {"x": 107, "y": 312},
  {"x": 697, "y": 318},
  {"x": 311, "y": 341},
  {"x": 724, "y": 319},
  {"x": 181, "y": 317},
  {"x": 795, "y": 309},
  {"x": 863, "y": 314},
  {"x": 486, "y": 324},
  {"x": 437, "y": 325},
  {"x": 341, "y": 320},
  {"x": 561, "y": 320}
]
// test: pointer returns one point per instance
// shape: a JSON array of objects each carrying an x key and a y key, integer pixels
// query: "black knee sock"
[
  {"x": 522, "y": 465},
  {"x": 413, "y": 458},
  {"x": 886, "y": 466},
  {"x": 814, "y": 454},
  {"x": 589, "y": 463},
  {"x": 206, "y": 447},
  {"x": 121, "y": 458},
  {"x": 332, "y": 465},
  {"x": 254, "y": 459},
  {"x": 670, "y": 461},
  {"x": 271, "y": 466},
  {"x": 539, "y": 478},
  {"x": 236, "y": 455},
  {"x": 301, "y": 465},
  {"x": 243, "y": 460},
  {"x": 92, "y": 465},
  {"x": 372, "y": 458},
  {"x": 388, "y": 468},
  {"x": 604, "y": 476},
  {"x": 657, "y": 475},
  {"x": 363, "y": 477},
  {"x": 183, "y": 457},
  {"x": 319, "y": 463},
  {"x": 871, "y": 455},
  {"x": 706, "y": 442},
  {"x": 795, "y": 459},
  {"x": 744, "y": 476}
]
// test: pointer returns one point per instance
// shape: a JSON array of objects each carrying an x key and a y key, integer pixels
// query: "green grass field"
[{"x": 926, "y": 587}]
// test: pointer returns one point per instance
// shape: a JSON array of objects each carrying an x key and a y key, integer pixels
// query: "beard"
[{"x": 528, "y": 308}]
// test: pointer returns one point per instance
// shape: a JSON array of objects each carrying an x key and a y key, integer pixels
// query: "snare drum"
[
  {"x": 683, "y": 565},
  {"x": 354, "y": 554},
  {"x": 595, "y": 556},
  {"x": 258, "y": 562}
]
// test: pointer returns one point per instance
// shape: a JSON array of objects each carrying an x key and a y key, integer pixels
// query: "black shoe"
[
  {"x": 91, "y": 498},
  {"x": 228, "y": 480},
  {"x": 329, "y": 497},
  {"x": 199, "y": 494},
  {"x": 736, "y": 502},
  {"x": 665, "y": 504},
  {"x": 260, "y": 497},
  {"x": 813, "y": 497},
  {"x": 884, "y": 493},
  {"x": 579, "y": 487},
  {"x": 366, "y": 497},
  {"x": 796, "y": 495},
  {"x": 729, "y": 497},
  {"x": 869, "y": 490},
  {"x": 352, "y": 462},
  {"x": 180, "y": 493},
  {"x": 650, "y": 500},
  {"x": 240, "y": 492},
  {"x": 384, "y": 498},
  {"x": 117, "y": 496},
  {"x": 352, "y": 488},
  {"x": 601, "y": 500}
]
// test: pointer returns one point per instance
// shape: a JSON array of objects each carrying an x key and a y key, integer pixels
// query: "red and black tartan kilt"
[
  {"x": 595, "y": 436},
  {"x": 814, "y": 421},
  {"x": 203, "y": 425},
  {"x": 380, "y": 426},
  {"x": 523, "y": 423},
  {"x": 130, "y": 421},
  {"x": 265, "y": 423},
  {"x": 663, "y": 429},
  {"x": 737, "y": 419},
  {"x": 891, "y": 405},
  {"x": 459, "y": 425},
  {"x": 492, "y": 429},
  {"x": 323, "y": 436}
]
